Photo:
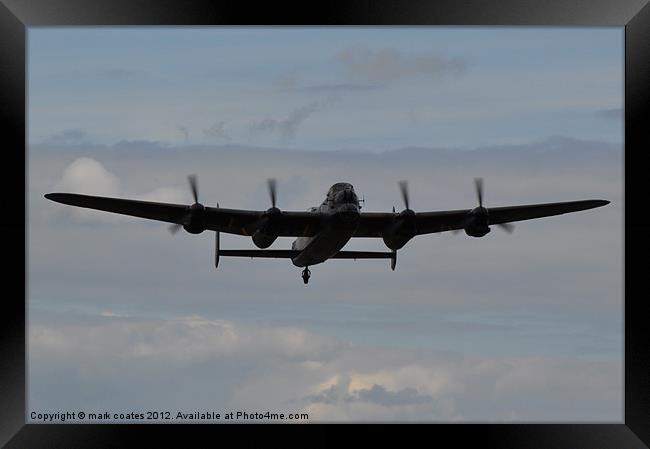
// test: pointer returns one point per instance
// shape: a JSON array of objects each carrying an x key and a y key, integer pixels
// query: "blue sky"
[
  {"x": 521, "y": 327},
  {"x": 446, "y": 86}
]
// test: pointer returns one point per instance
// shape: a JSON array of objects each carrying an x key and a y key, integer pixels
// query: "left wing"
[
  {"x": 373, "y": 224},
  {"x": 232, "y": 221}
]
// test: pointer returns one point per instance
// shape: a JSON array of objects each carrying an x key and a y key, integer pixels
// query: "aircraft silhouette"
[{"x": 323, "y": 231}]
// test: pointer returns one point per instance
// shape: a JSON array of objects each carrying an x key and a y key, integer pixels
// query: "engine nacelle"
[
  {"x": 396, "y": 241},
  {"x": 194, "y": 228},
  {"x": 476, "y": 231},
  {"x": 266, "y": 232},
  {"x": 196, "y": 224},
  {"x": 477, "y": 224},
  {"x": 400, "y": 231},
  {"x": 262, "y": 240}
]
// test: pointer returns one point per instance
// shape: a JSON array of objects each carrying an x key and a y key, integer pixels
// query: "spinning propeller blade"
[
  {"x": 478, "y": 183},
  {"x": 173, "y": 229},
  {"x": 404, "y": 188},
  {"x": 194, "y": 185},
  {"x": 272, "y": 190}
]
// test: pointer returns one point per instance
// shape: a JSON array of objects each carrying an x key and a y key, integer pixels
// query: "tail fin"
[{"x": 216, "y": 249}]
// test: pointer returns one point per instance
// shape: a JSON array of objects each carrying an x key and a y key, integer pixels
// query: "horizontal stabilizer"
[
  {"x": 362, "y": 255},
  {"x": 290, "y": 254},
  {"x": 270, "y": 253}
]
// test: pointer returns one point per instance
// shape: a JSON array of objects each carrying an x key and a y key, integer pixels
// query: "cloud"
[
  {"x": 286, "y": 368},
  {"x": 288, "y": 127},
  {"x": 612, "y": 114},
  {"x": 377, "y": 394},
  {"x": 88, "y": 176},
  {"x": 164, "y": 195},
  {"x": 68, "y": 136},
  {"x": 374, "y": 69},
  {"x": 389, "y": 65},
  {"x": 182, "y": 340}
]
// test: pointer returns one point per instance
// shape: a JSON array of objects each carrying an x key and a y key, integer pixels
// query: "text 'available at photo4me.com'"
[{"x": 164, "y": 416}]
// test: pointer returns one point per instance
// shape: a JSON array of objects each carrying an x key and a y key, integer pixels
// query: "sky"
[
  {"x": 326, "y": 88},
  {"x": 522, "y": 327}
]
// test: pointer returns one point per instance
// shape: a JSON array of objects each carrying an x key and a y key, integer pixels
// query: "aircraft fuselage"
[{"x": 340, "y": 214}]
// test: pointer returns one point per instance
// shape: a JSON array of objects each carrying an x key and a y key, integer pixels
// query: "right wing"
[{"x": 231, "y": 221}]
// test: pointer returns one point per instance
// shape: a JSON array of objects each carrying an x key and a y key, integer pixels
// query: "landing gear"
[{"x": 305, "y": 275}]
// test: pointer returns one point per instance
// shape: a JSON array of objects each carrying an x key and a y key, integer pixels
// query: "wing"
[
  {"x": 429, "y": 222},
  {"x": 373, "y": 224},
  {"x": 518, "y": 213},
  {"x": 232, "y": 221},
  {"x": 246, "y": 222}
]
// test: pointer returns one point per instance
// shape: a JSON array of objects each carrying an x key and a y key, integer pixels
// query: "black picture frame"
[{"x": 17, "y": 15}]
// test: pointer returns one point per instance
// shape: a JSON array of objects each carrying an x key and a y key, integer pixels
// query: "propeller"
[
  {"x": 403, "y": 227},
  {"x": 272, "y": 190},
  {"x": 194, "y": 187},
  {"x": 508, "y": 227},
  {"x": 478, "y": 184},
  {"x": 272, "y": 213},
  {"x": 404, "y": 188},
  {"x": 173, "y": 229},
  {"x": 265, "y": 230}
]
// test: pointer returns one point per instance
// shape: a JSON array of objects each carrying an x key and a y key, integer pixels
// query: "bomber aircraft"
[{"x": 323, "y": 231}]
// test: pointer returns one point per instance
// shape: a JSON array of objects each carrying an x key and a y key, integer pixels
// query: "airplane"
[{"x": 323, "y": 231}]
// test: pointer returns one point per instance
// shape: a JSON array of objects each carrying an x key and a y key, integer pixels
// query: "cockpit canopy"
[
  {"x": 342, "y": 192},
  {"x": 340, "y": 186}
]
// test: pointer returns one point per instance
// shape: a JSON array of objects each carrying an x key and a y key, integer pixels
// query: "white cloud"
[
  {"x": 285, "y": 368},
  {"x": 88, "y": 176},
  {"x": 165, "y": 195},
  {"x": 181, "y": 341}
]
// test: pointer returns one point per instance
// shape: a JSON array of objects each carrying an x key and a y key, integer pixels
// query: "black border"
[{"x": 16, "y": 15}]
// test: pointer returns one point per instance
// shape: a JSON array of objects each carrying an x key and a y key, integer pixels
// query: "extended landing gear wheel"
[{"x": 305, "y": 275}]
